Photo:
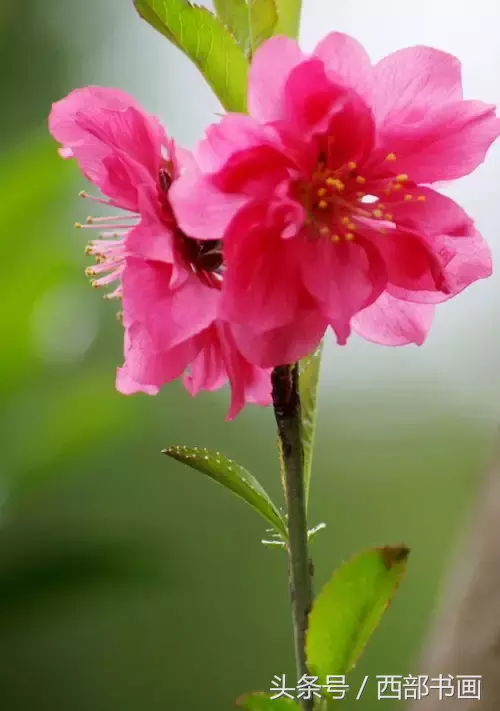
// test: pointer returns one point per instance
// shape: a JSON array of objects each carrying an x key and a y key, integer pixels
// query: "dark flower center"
[{"x": 202, "y": 256}]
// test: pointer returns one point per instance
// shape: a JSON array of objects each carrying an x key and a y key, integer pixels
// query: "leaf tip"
[{"x": 394, "y": 555}]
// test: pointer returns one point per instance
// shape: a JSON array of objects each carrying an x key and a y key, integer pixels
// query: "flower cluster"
[{"x": 313, "y": 210}]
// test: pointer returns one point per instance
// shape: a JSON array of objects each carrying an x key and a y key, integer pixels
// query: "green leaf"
[
  {"x": 203, "y": 38},
  {"x": 263, "y": 702},
  {"x": 289, "y": 18},
  {"x": 308, "y": 388},
  {"x": 350, "y": 607},
  {"x": 233, "y": 477},
  {"x": 250, "y": 21}
]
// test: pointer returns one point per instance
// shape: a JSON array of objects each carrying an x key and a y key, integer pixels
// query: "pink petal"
[
  {"x": 262, "y": 288},
  {"x": 463, "y": 261},
  {"x": 319, "y": 107},
  {"x": 127, "y": 386},
  {"x": 392, "y": 322},
  {"x": 408, "y": 84},
  {"x": 449, "y": 234},
  {"x": 169, "y": 316},
  {"x": 202, "y": 211},
  {"x": 148, "y": 366},
  {"x": 249, "y": 384},
  {"x": 62, "y": 124},
  {"x": 446, "y": 143},
  {"x": 348, "y": 60},
  {"x": 151, "y": 239},
  {"x": 269, "y": 72},
  {"x": 207, "y": 371},
  {"x": 116, "y": 144},
  {"x": 284, "y": 344},
  {"x": 344, "y": 278},
  {"x": 432, "y": 214},
  {"x": 232, "y": 134},
  {"x": 409, "y": 261},
  {"x": 218, "y": 361}
]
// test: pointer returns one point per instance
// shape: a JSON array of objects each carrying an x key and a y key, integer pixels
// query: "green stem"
[{"x": 286, "y": 401}]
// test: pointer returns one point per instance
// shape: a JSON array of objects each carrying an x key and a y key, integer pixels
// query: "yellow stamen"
[
  {"x": 78, "y": 225},
  {"x": 401, "y": 178},
  {"x": 360, "y": 180},
  {"x": 351, "y": 165},
  {"x": 360, "y": 195},
  {"x": 351, "y": 226},
  {"x": 322, "y": 204},
  {"x": 349, "y": 236},
  {"x": 388, "y": 216},
  {"x": 335, "y": 183},
  {"x": 391, "y": 157},
  {"x": 345, "y": 220},
  {"x": 408, "y": 197},
  {"x": 397, "y": 186},
  {"x": 89, "y": 220},
  {"x": 335, "y": 238},
  {"x": 421, "y": 198},
  {"x": 377, "y": 213},
  {"x": 90, "y": 271},
  {"x": 321, "y": 192},
  {"x": 324, "y": 231}
]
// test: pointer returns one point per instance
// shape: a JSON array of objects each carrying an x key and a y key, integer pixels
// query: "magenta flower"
[
  {"x": 170, "y": 284},
  {"x": 321, "y": 195}
]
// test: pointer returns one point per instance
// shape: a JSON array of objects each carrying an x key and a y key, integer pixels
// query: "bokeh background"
[{"x": 126, "y": 581}]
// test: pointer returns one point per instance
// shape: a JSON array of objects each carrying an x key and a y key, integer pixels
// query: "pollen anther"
[{"x": 391, "y": 157}]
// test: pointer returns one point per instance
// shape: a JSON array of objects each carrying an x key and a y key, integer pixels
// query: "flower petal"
[
  {"x": 446, "y": 143},
  {"x": 347, "y": 58},
  {"x": 169, "y": 316},
  {"x": 202, "y": 211},
  {"x": 392, "y": 322},
  {"x": 116, "y": 144},
  {"x": 344, "y": 278},
  {"x": 449, "y": 233},
  {"x": 408, "y": 84},
  {"x": 269, "y": 72},
  {"x": 262, "y": 289},
  {"x": 409, "y": 261}
]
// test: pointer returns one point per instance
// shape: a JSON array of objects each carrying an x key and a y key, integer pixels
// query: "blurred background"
[{"x": 126, "y": 581}]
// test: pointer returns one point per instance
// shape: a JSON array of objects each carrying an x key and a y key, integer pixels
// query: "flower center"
[
  {"x": 338, "y": 200},
  {"x": 201, "y": 256}
]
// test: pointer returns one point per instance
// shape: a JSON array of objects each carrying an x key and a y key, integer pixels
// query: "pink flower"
[
  {"x": 170, "y": 284},
  {"x": 321, "y": 195}
]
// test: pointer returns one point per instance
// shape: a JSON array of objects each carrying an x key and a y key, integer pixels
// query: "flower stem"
[{"x": 286, "y": 401}]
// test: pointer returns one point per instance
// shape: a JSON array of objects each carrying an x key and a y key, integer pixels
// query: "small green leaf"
[
  {"x": 263, "y": 702},
  {"x": 203, "y": 38},
  {"x": 350, "y": 607},
  {"x": 233, "y": 477},
  {"x": 289, "y": 18},
  {"x": 308, "y": 387},
  {"x": 250, "y": 21}
]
